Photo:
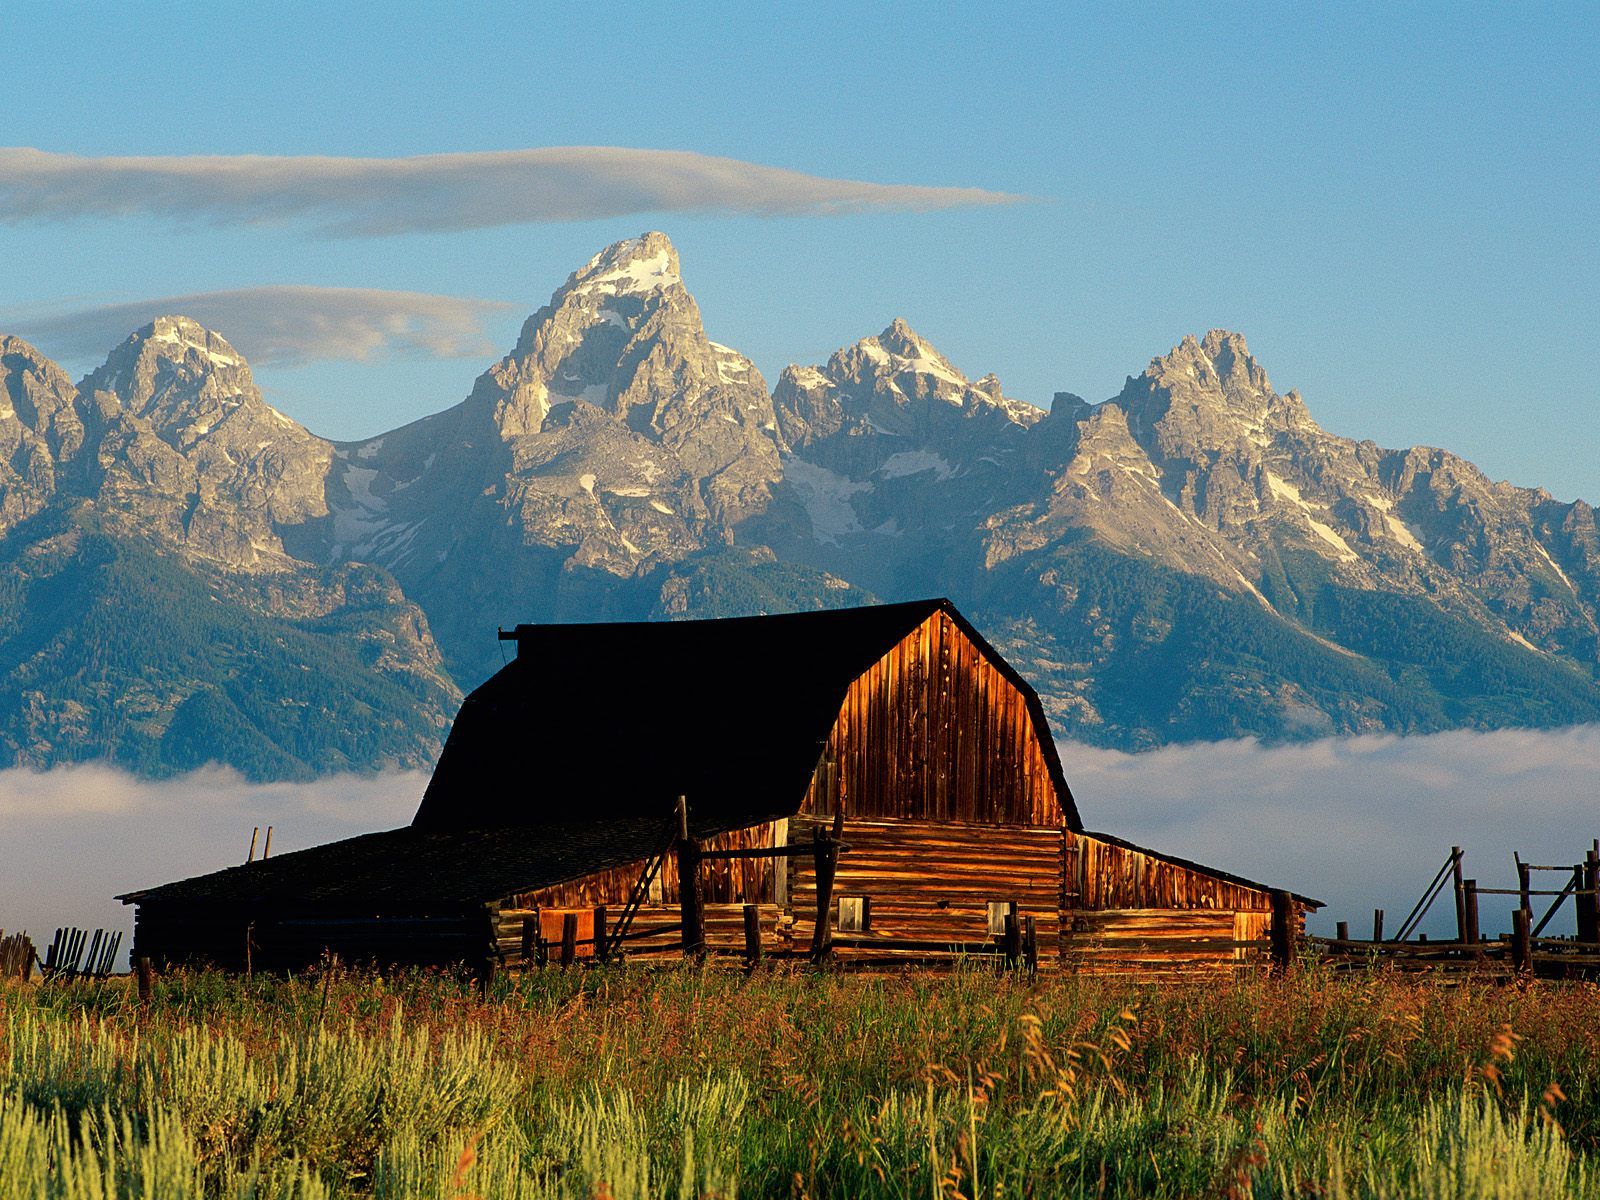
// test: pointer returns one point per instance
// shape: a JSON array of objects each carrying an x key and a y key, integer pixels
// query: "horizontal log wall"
[
  {"x": 1102, "y": 875},
  {"x": 1155, "y": 943},
  {"x": 726, "y": 881},
  {"x": 933, "y": 882},
  {"x": 934, "y": 731}
]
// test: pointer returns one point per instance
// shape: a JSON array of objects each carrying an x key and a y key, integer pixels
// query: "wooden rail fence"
[{"x": 1521, "y": 952}]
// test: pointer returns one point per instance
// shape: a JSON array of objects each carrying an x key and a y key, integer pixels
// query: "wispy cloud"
[
  {"x": 281, "y": 325},
  {"x": 1362, "y": 822},
  {"x": 371, "y": 197}
]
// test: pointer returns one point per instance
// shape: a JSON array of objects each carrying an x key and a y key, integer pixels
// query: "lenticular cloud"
[
  {"x": 374, "y": 197},
  {"x": 284, "y": 325}
]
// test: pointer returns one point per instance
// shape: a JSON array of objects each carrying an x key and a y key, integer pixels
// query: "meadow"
[{"x": 625, "y": 1083}]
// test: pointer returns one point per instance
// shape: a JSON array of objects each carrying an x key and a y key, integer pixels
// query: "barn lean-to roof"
[
  {"x": 620, "y": 719},
  {"x": 415, "y": 871}
]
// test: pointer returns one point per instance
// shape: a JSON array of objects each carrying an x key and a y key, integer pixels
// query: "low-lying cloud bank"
[
  {"x": 1361, "y": 823},
  {"x": 1358, "y": 822},
  {"x": 375, "y": 197},
  {"x": 282, "y": 325},
  {"x": 74, "y": 837}
]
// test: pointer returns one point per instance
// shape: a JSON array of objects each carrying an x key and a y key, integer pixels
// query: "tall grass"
[{"x": 645, "y": 1084}]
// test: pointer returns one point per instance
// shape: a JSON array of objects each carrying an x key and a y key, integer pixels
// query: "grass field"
[{"x": 630, "y": 1083}]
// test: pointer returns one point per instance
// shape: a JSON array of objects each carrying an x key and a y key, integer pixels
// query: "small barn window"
[
  {"x": 855, "y": 914},
  {"x": 998, "y": 911}
]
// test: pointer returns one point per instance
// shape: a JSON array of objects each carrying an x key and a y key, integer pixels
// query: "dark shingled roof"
[
  {"x": 418, "y": 872},
  {"x": 616, "y": 720}
]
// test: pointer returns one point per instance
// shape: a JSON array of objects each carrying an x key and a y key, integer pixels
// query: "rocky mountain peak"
[
  {"x": 1221, "y": 360},
  {"x": 175, "y": 373},
  {"x": 1209, "y": 396}
]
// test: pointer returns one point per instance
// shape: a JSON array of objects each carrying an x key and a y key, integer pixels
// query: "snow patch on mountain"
[
  {"x": 1284, "y": 490},
  {"x": 827, "y": 498}
]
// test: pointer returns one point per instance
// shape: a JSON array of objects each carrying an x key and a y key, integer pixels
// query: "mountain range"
[{"x": 188, "y": 575}]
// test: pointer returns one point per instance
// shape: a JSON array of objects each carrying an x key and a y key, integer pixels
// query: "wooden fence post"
[
  {"x": 1461, "y": 894},
  {"x": 752, "y": 935},
  {"x": 569, "y": 938},
  {"x": 1524, "y": 883},
  {"x": 1377, "y": 925},
  {"x": 530, "y": 932},
  {"x": 144, "y": 975},
  {"x": 1589, "y": 906},
  {"x": 1282, "y": 932},
  {"x": 598, "y": 937},
  {"x": 826, "y": 864},
  {"x": 1521, "y": 942},
  {"x": 1341, "y": 931},
  {"x": 1030, "y": 943},
  {"x": 691, "y": 899},
  {"x": 1469, "y": 899}
]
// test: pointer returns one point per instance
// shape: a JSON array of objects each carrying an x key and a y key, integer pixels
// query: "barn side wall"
[
  {"x": 727, "y": 886},
  {"x": 934, "y": 882},
  {"x": 1104, "y": 875},
  {"x": 934, "y": 731},
  {"x": 1132, "y": 912}
]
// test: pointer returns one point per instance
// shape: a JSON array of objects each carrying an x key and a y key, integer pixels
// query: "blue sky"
[{"x": 1397, "y": 208}]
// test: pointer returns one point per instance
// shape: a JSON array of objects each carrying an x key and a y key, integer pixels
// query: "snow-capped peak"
[{"x": 648, "y": 263}]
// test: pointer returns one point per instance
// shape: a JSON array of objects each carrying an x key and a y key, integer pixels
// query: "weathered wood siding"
[
  {"x": 935, "y": 731},
  {"x": 725, "y": 881},
  {"x": 1153, "y": 942},
  {"x": 934, "y": 882},
  {"x": 1102, "y": 875}
]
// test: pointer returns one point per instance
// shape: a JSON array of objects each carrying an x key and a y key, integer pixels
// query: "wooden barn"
[{"x": 867, "y": 785}]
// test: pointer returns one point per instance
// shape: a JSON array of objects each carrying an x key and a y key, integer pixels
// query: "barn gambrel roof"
[{"x": 618, "y": 720}]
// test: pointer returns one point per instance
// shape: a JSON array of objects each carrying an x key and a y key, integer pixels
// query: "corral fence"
[{"x": 1523, "y": 951}]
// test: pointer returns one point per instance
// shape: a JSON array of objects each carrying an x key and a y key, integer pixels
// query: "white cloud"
[
  {"x": 369, "y": 197},
  {"x": 282, "y": 324},
  {"x": 74, "y": 837},
  {"x": 1362, "y": 822}
]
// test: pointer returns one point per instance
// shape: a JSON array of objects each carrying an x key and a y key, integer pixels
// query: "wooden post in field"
[
  {"x": 1341, "y": 931},
  {"x": 1589, "y": 906},
  {"x": 1282, "y": 932},
  {"x": 569, "y": 938},
  {"x": 144, "y": 974},
  {"x": 1469, "y": 906},
  {"x": 752, "y": 935},
  {"x": 1521, "y": 942},
  {"x": 1030, "y": 943},
  {"x": 1461, "y": 894},
  {"x": 691, "y": 899},
  {"x": 1377, "y": 925},
  {"x": 530, "y": 934},
  {"x": 826, "y": 852},
  {"x": 1524, "y": 882},
  {"x": 1013, "y": 937},
  {"x": 599, "y": 935}
]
